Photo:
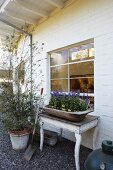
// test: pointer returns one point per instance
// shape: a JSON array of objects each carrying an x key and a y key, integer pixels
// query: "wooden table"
[{"x": 77, "y": 127}]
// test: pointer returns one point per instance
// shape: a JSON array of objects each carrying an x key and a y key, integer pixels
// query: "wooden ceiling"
[{"x": 23, "y": 13}]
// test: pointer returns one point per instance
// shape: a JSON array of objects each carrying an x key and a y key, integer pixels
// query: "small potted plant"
[
  {"x": 17, "y": 114},
  {"x": 69, "y": 106}
]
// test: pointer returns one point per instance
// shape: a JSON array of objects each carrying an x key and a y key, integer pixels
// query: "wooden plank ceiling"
[{"x": 23, "y": 13}]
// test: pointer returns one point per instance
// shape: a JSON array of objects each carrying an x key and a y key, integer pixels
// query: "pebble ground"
[{"x": 59, "y": 157}]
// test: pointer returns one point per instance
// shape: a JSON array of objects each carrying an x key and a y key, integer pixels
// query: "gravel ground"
[{"x": 59, "y": 157}]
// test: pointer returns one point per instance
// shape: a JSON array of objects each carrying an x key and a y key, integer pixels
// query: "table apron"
[{"x": 70, "y": 127}]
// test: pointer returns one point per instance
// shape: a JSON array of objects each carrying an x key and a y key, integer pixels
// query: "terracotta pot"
[
  {"x": 72, "y": 116},
  {"x": 19, "y": 139}
]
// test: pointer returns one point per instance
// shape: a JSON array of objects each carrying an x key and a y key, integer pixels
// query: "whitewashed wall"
[{"x": 82, "y": 20}]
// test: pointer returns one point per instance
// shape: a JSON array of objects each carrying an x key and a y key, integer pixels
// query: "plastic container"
[{"x": 101, "y": 159}]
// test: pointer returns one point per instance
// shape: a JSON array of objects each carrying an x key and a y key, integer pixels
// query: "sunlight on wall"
[{"x": 5, "y": 57}]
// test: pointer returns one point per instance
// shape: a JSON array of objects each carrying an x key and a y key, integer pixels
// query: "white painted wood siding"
[{"x": 82, "y": 20}]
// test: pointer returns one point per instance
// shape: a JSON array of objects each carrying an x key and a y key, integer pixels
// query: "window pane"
[
  {"x": 85, "y": 85},
  {"x": 83, "y": 69},
  {"x": 81, "y": 77},
  {"x": 91, "y": 52},
  {"x": 73, "y": 67},
  {"x": 82, "y": 52},
  {"x": 59, "y": 72},
  {"x": 61, "y": 85},
  {"x": 59, "y": 58}
]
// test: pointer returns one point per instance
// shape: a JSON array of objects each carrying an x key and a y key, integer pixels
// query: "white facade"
[{"x": 80, "y": 21}]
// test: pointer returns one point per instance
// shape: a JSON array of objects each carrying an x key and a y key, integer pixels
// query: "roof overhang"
[{"x": 16, "y": 15}]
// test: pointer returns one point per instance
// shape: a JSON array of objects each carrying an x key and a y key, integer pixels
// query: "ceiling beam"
[
  {"x": 20, "y": 17},
  {"x": 16, "y": 22},
  {"x": 14, "y": 26},
  {"x": 6, "y": 31},
  {"x": 2, "y": 8},
  {"x": 33, "y": 10},
  {"x": 3, "y": 40},
  {"x": 56, "y": 3},
  {"x": 2, "y": 36},
  {"x": 2, "y": 43}
]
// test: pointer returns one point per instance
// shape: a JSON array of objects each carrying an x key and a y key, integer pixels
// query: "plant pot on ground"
[
  {"x": 17, "y": 114},
  {"x": 19, "y": 139}
]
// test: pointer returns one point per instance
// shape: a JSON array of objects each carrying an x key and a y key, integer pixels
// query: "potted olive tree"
[
  {"x": 17, "y": 106},
  {"x": 17, "y": 114}
]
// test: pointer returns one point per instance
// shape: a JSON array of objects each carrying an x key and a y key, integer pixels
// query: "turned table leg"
[
  {"x": 41, "y": 137},
  {"x": 60, "y": 134},
  {"x": 77, "y": 150},
  {"x": 95, "y": 134}
]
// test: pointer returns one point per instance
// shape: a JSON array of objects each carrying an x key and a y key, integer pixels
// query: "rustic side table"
[{"x": 77, "y": 127}]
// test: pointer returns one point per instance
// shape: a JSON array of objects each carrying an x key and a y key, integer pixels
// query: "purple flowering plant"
[{"x": 69, "y": 101}]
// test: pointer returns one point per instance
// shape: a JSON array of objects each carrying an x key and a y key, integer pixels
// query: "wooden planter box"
[{"x": 72, "y": 116}]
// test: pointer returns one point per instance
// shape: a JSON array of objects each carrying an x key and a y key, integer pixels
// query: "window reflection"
[
  {"x": 73, "y": 67},
  {"x": 82, "y": 52},
  {"x": 60, "y": 57},
  {"x": 59, "y": 85},
  {"x": 81, "y": 69},
  {"x": 81, "y": 77},
  {"x": 91, "y": 52},
  {"x": 85, "y": 85},
  {"x": 59, "y": 72}
]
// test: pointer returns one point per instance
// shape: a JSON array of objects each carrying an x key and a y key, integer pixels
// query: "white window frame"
[{"x": 69, "y": 63}]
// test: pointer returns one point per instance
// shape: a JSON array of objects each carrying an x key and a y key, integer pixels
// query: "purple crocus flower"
[
  {"x": 60, "y": 93},
  {"x": 52, "y": 92},
  {"x": 83, "y": 97},
  {"x": 55, "y": 93},
  {"x": 87, "y": 99},
  {"x": 78, "y": 93},
  {"x": 70, "y": 94}
]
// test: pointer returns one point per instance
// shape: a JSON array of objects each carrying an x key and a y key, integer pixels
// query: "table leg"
[
  {"x": 60, "y": 134},
  {"x": 41, "y": 137},
  {"x": 77, "y": 150},
  {"x": 95, "y": 134}
]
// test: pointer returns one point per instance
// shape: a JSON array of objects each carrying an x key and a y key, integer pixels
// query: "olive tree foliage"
[
  {"x": 30, "y": 73},
  {"x": 18, "y": 101}
]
